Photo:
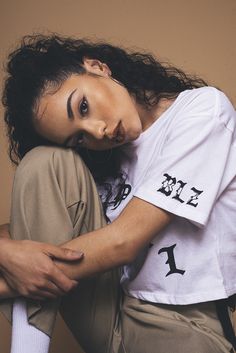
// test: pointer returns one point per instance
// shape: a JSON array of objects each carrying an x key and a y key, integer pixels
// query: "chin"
[{"x": 134, "y": 135}]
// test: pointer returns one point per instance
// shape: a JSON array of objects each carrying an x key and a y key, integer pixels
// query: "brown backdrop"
[{"x": 198, "y": 36}]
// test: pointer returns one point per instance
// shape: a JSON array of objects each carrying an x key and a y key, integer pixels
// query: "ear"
[{"x": 95, "y": 66}]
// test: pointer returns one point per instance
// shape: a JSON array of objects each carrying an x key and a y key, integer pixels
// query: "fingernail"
[{"x": 78, "y": 253}]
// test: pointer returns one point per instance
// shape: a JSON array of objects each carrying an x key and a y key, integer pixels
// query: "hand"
[
  {"x": 29, "y": 269},
  {"x": 5, "y": 290}
]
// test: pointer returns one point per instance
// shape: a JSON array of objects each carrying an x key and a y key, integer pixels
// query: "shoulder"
[
  {"x": 201, "y": 110},
  {"x": 226, "y": 112},
  {"x": 199, "y": 100},
  {"x": 207, "y": 101}
]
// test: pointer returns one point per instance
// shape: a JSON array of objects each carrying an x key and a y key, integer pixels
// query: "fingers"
[
  {"x": 42, "y": 295},
  {"x": 47, "y": 290},
  {"x": 50, "y": 288},
  {"x": 51, "y": 282},
  {"x": 63, "y": 253},
  {"x": 61, "y": 280}
]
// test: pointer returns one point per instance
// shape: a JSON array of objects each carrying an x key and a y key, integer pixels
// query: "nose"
[{"x": 97, "y": 129}]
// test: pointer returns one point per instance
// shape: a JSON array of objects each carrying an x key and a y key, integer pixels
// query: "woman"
[{"x": 148, "y": 134}]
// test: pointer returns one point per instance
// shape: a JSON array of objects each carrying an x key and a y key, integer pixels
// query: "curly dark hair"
[{"x": 42, "y": 60}]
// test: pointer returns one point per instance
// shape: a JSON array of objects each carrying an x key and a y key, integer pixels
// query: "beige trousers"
[{"x": 54, "y": 200}]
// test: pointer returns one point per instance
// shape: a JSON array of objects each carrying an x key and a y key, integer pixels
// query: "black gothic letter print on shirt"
[
  {"x": 171, "y": 260},
  {"x": 122, "y": 194}
]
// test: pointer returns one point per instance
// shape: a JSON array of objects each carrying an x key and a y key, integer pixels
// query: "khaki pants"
[{"x": 54, "y": 200}]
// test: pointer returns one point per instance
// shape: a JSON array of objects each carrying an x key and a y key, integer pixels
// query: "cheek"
[{"x": 52, "y": 132}]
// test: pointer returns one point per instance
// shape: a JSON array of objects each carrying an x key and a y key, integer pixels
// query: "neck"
[{"x": 149, "y": 116}]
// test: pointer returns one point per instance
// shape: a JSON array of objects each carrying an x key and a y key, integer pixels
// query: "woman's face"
[{"x": 91, "y": 110}]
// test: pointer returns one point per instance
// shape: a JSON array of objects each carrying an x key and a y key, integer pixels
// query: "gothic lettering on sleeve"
[
  {"x": 194, "y": 197},
  {"x": 171, "y": 260},
  {"x": 167, "y": 185},
  {"x": 171, "y": 187},
  {"x": 179, "y": 190},
  {"x": 122, "y": 194}
]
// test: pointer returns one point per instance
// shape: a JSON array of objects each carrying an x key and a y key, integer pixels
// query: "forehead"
[
  {"x": 51, "y": 116},
  {"x": 55, "y": 98},
  {"x": 51, "y": 113}
]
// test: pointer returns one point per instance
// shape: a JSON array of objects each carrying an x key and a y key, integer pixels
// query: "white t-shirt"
[{"x": 185, "y": 163}]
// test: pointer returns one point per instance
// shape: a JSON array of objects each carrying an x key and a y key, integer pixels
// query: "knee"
[
  {"x": 49, "y": 161},
  {"x": 42, "y": 156},
  {"x": 35, "y": 161}
]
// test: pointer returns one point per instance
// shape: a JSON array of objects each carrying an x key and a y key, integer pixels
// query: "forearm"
[
  {"x": 117, "y": 243},
  {"x": 102, "y": 252}
]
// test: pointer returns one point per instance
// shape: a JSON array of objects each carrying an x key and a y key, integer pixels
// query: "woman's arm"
[
  {"x": 117, "y": 243},
  {"x": 28, "y": 268},
  {"x": 31, "y": 270}
]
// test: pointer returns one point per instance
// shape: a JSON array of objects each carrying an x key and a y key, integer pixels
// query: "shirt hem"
[{"x": 182, "y": 300}]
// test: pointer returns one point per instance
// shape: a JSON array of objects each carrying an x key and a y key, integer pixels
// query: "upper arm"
[{"x": 197, "y": 159}]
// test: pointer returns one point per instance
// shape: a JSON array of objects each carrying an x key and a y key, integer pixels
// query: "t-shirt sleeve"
[{"x": 185, "y": 177}]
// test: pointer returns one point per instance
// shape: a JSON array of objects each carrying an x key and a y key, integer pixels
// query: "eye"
[{"x": 83, "y": 108}]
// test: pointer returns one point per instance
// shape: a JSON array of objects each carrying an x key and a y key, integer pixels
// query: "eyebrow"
[{"x": 68, "y": 106}]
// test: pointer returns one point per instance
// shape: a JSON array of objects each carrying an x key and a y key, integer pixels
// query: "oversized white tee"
[{"x": 185, "y": 163}]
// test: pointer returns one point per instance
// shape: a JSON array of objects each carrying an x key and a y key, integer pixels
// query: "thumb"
[{"x": 64, "y": 253}]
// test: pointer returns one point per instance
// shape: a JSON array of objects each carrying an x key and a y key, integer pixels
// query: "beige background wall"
[{"x": 198, "y": 36}]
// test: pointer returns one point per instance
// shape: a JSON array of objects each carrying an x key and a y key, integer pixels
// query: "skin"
[
  {"x": 101, "y": 114},
  {"x": 31, "y": 271},
  {"x": 98, "y": 112}
]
